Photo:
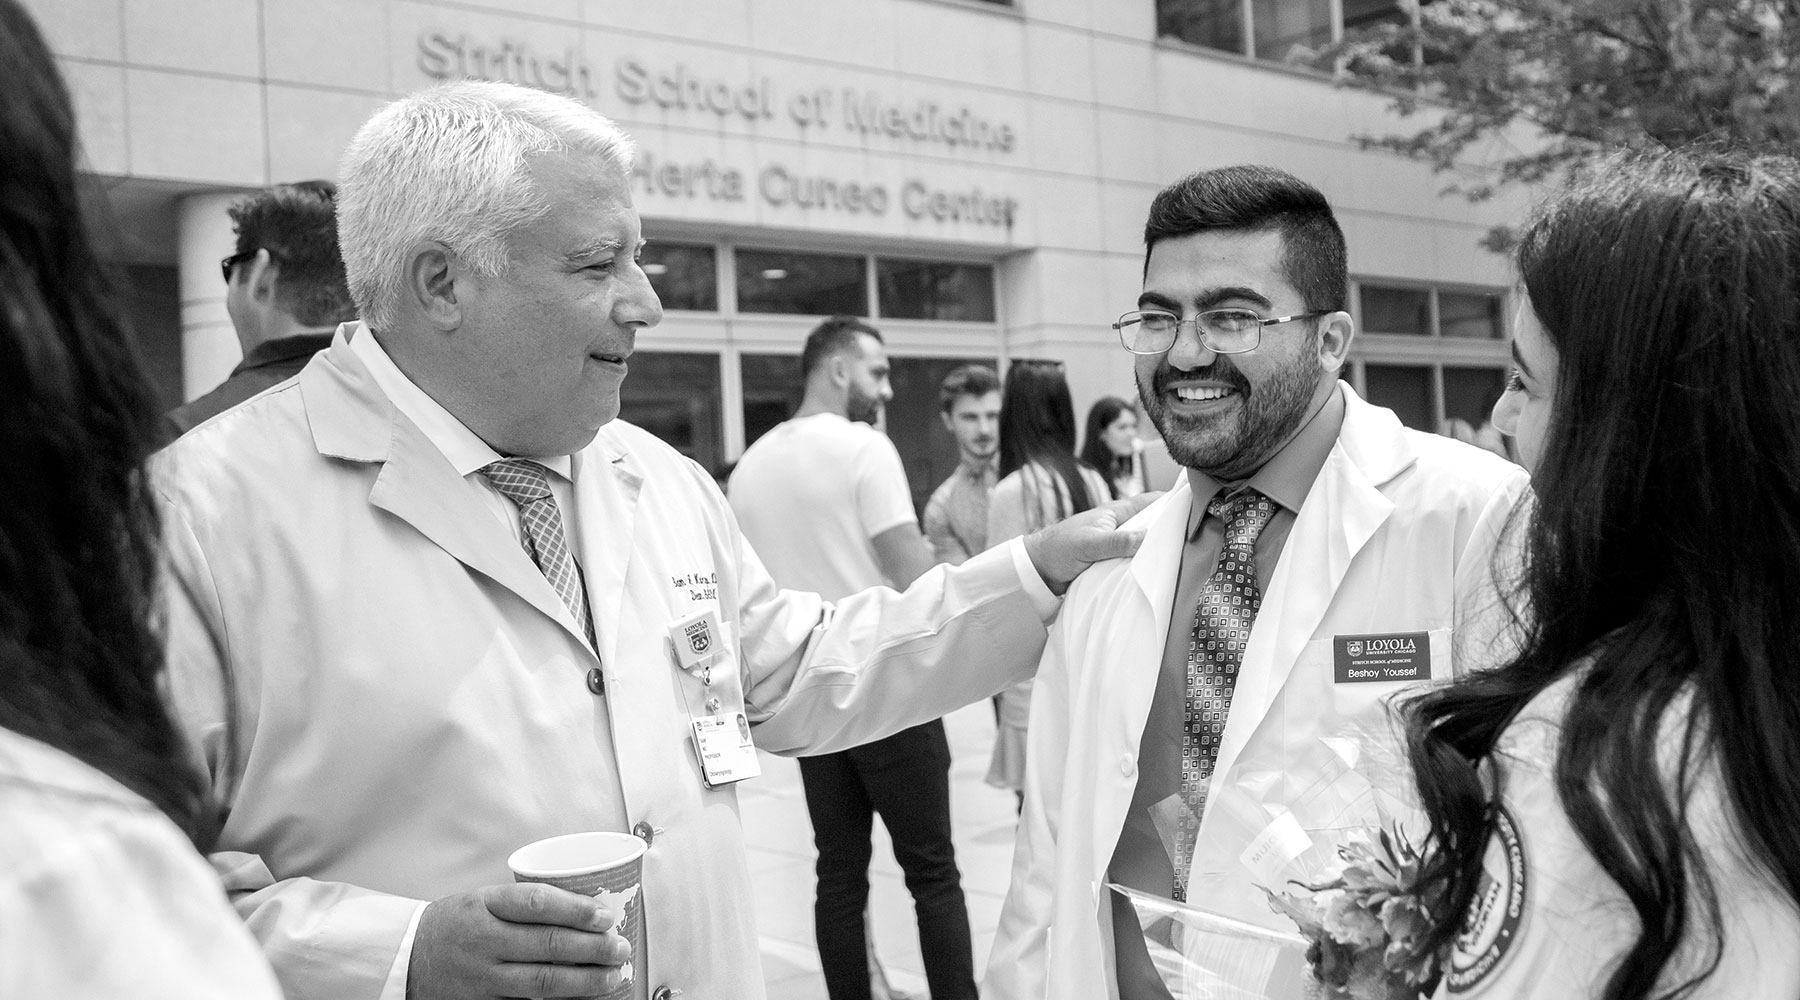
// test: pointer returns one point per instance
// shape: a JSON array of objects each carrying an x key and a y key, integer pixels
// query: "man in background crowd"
[
  {"x": 824, "y": 498},
  {"x": 956, "y": 514},
  {"x": 284, "y": 290}
]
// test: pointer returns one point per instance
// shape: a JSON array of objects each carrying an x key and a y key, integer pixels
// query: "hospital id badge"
[{"x": 723, "y": 746}]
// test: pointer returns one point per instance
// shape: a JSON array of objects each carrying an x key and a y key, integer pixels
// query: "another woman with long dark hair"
[
  {"x": 1110, "y": 445},
  {"x": 1041, "y": 482},
  {"x": 102, "y": 893},
  {"x": 1615, "y": 814}
]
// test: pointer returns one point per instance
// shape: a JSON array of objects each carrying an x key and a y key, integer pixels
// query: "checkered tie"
[
  {"x": 525, "y": 484},
  {"x": 1227, "y": 608}
]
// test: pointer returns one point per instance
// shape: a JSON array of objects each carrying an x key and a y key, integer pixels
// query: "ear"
[
  {"x": 1336, "y": 332},
  {"x": 840, "y": 369},
  {"x": 949, "y": 423},
  {"x": 432, "y": 275},
  {"x": 261, "y": 277}
]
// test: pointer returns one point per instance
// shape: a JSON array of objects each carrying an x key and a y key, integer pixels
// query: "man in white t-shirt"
[{"x": 823, "y": 499}]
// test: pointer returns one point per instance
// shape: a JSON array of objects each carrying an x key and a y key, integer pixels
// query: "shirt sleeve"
[
  {"x": 883, "y": 498},
  {"x": 123, "y": 907},
  {"x": 945, "y": 546},
  {"x": 1006, "y": 509}
]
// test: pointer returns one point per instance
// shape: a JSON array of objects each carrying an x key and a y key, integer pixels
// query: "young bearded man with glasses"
[{"x": 1307, "y": 523}]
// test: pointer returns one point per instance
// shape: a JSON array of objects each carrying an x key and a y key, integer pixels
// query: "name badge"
[
  {"x": 1382, "y": 658},
  {"x": 723, "y": 746},
  {"x": 695, "y": 638}
]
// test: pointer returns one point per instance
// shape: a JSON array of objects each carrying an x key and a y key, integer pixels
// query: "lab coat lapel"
[
  {"x": 1343, "y": 510},
  {"x": 352, "y": 419},
  {"x": 1123, "y": 684},
  {"x": 607, "y": 486}
]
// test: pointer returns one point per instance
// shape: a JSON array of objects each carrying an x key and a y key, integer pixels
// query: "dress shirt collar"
[
  {"x": 300, "y": 345},
  {"x": 1288, "y": 476},
  {"x": 466, "y": 452}
]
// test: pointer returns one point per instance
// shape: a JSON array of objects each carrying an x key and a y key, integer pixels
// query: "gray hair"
[{"x": 451, "y": 164}]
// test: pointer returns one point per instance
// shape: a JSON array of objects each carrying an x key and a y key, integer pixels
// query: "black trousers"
[{"x": 906, "y": 780}]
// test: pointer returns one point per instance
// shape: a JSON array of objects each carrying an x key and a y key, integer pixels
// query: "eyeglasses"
[
  {"x": 226, "y": 265},
  {"x": 1221, "y": 331}
]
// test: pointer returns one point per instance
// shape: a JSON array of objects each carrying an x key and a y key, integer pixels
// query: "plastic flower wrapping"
[{"x": 1332, "y": 833}]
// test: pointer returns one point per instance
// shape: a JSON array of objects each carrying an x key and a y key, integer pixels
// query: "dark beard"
[
  {"x": 1266, "y": 418},
  {"x": 861, "y": 408}
]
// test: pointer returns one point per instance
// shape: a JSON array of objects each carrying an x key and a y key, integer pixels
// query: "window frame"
[
  {"x": 731, "y": 333},
  {"x": 1433, "y": 351},
  {"x": 1247, "y": 17}
]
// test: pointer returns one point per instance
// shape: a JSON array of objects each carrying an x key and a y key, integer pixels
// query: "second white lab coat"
[{"x": 1396, "y": 535}]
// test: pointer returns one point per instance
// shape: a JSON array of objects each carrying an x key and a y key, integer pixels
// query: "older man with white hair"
[{"x": 463, "y": 608}]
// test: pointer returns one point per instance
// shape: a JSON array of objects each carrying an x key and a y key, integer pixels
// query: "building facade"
[{"x": 973, "y": 175}]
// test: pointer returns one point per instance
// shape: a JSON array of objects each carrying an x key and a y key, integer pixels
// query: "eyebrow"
[
  {"x": 1209, "y": 299},
  {"x": 605, "y": 246},
  {"x": 1519, "y": 361}
]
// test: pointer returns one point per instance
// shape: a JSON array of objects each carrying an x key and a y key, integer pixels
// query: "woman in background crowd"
[
  {"x": 1041, "y": 482},
  {"x": 1111, "y": 446},
  {"x": 102, "y": 892},
  {"x": 1613, "y": 814}
]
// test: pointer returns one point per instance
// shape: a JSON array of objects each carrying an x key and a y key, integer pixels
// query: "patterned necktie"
[
  {"x": 527, "y": 485},
  {"x": 1227, "y": 608}
]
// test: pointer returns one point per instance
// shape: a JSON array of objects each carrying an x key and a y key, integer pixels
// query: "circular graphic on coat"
[{"x": 1491, "y": 927}]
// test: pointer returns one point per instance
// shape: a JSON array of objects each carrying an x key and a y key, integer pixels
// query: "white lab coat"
[
  {"x": 1395, "y": 535},
  {"x": 413, "y": 694},
  {"x": 1552, "y": 925}
]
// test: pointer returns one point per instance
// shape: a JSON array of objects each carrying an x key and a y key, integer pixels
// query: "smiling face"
[
  {"x": 543, "y": 346},
  {"x": 1524, "y": 410},
  {"x": 975, "y": 421},
  {"x": 1226, "y": 415}
]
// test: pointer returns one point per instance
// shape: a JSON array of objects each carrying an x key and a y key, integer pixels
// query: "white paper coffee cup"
[{"x": 607, "y": 866}]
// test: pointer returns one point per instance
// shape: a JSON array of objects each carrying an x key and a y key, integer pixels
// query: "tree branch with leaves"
[{"x": 1587, "y": 75}]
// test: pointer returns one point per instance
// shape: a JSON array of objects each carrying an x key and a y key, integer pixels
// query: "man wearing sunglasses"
[
  {"x": 1314, "y": 558},
  {"x": 285, "y": 292}
]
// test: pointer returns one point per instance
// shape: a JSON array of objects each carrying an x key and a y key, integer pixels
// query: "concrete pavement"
[{"x": 780, "y": 842}]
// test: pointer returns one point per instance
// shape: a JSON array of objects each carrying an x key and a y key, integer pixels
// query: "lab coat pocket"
[{"x": 1369, "y": 669}]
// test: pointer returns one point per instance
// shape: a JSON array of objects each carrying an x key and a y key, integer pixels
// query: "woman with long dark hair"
[
  {"x": 102, "y": 893},
  {"x": 1110, "y": 445},
  {"x": 1614, "y": 814},
  {"x": 1041, "y": 482}
]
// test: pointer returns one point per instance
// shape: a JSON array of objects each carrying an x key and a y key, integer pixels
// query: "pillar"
[{"x": 209, "y": 344}]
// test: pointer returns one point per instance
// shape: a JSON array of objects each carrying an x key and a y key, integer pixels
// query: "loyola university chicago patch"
[{"x": 1491, "y": 929}]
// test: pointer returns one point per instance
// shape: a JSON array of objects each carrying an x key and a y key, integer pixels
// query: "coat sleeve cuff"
[
  {"x": 395, "y": 986},
  {"x": 1036, "y": 590}
]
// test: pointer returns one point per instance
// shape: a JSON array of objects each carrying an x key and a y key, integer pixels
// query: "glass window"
[
  {"x": 1386, "y": 309},
  {"x": 685, "y": 276},
  {"x": 1368, "y": 13},
  {"x": 1405, "y": 389},
  {"x": 678, "y": 398},
  {"x": 1470, "y": 393},
  {"x": 1280, "y": 26},
  {"x": 918, "y": 289},
  {"x": 810, "y": 284},
  {"x": 1215, "y": 24},
  {"x": 772, "y": 391},
  {"x": 1466, "y": 314}
]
